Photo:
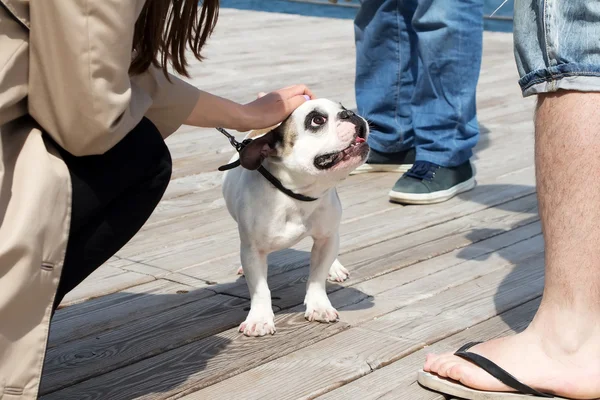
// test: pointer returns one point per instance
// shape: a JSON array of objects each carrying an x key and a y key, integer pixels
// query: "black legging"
[{"x": 114, "y": 194}]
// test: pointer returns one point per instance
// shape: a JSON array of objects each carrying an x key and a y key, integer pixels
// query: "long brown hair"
[{"x": 165, "y": 28}]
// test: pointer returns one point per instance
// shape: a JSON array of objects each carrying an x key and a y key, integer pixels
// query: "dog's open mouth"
[{"x": 358, "y": 147}]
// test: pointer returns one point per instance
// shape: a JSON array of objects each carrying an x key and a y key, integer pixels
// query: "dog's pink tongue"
[{"x": 360, "y": 140}]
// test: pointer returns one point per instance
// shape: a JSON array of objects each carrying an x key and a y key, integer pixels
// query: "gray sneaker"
[
  {"x": 387, "y": 162},
  {"x": 428, "y": 183}
]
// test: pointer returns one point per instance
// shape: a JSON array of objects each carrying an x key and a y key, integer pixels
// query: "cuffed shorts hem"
[{"x": 571, "y": 76}]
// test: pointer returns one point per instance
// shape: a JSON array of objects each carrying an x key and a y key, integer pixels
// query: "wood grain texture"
[
  {"x": 105, "y": 280},
  {"x": 312, "y": 370},
  {"x": 436, "y": 277},
  {"x": 288, "y": 288},
  {"x": 419, "y": 274},
  {"x": 453, "y": 310},
  {"x": 424, "y": 322},
  {"x": 420, "y": 282},
  {"x": 94, "y": 355},
  {"x": 358, "y": 232},
  {"x": 200, "y": 363},
  {"x": 398, "y": 380},
  {"x": 111, "y": 311}
]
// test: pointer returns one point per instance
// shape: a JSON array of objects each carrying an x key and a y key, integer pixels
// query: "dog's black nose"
[{"x": 346, "y": 114}]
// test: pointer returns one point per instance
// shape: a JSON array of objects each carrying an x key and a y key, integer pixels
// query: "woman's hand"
[
  {"x": 272, "y": 108},
  {"x": 268, "y": 110}
]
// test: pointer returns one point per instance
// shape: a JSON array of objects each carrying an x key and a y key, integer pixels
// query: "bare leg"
[
  {"x": 260, "y": 320},
  {"x": 560, "y": 350},
  {"x": 322, "y": 257}
]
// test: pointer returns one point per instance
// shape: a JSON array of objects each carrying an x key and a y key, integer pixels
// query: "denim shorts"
[{"x": 557, "y": 45}]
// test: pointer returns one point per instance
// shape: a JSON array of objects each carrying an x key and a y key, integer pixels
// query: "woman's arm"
[{"x": 213, "y": 111}]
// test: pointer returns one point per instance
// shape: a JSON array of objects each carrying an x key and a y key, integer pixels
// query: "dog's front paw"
[
  {"x": 337, "y": 272},
  {"x": 258, "y": 324},
  {"x": 240, "y": 271},
  {"x": 319, "y": 308}
]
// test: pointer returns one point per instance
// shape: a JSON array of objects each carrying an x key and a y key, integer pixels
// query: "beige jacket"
[{"x": 67, "y": 75}]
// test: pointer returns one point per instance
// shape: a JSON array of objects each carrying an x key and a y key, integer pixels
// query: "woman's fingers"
[
  {"x": 296, "y": 90},
  {"x": 294, "y": 102}
]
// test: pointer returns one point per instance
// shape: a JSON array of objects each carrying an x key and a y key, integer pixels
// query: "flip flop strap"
[{"x": 493, "y": 369}]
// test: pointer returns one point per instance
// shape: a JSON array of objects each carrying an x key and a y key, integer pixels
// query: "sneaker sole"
[
  {"x": 370, "y": 168},
  {"x": 432, "y": 198}
]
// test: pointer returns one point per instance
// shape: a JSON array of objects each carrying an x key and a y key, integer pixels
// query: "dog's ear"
[{"x": 252, "y": 156}]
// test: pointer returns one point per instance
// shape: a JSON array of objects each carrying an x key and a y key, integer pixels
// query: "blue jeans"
[
  {"x": 557, "y": 45},
  {"x": 417, "y": 67}
]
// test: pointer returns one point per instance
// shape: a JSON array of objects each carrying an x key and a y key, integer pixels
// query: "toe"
[
  {"x": 429, "y": 359},
  {"x": 464, "y": 373},
  {"x": 439, "y": 362},
  {"x": 309, "y": 316},
  {"x": 332, "y": 315},
  {"x": 455, "y": 372},
  {"x": 445, "y": 367},
  {"x": 473, "y": 377}
]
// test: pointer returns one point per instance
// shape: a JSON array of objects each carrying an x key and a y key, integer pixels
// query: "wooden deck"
[{"x": 159, "y": 320}]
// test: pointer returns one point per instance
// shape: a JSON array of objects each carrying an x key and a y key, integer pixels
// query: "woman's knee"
[
  {"x": 151, "y": 152},
  {"x": 164, "y": 167}
]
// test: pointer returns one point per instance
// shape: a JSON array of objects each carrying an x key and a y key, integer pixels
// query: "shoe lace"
[{"x": 422, "y": 170}]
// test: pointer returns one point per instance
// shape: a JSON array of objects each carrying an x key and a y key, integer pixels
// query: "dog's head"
[{"x": 321, "y": 137}]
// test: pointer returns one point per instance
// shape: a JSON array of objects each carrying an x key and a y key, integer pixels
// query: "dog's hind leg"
[
  {"x": 260, "y": 319},
  {"x": 337, "y": 272},
  {"x": 322, "y": 257}
]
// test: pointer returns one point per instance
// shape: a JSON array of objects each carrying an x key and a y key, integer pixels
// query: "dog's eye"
[{"x": 318, "y": 120}]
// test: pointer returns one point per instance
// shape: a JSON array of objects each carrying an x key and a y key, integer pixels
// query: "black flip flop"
[{"x": 453, "y": 388}]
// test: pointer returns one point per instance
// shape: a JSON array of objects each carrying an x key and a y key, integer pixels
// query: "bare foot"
[{"x": 533, "y": 361}]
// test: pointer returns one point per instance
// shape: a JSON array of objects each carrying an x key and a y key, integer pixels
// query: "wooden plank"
[
  {"x": 306, "y": 372},
  {"x": 211, "y": 220},
  {"x": 233, "y": 236},
  {"x": 451, "y": 311},
  {"x": 403, "y": 250},
  {"x": 288, "y": 288},
  {"x": 198, "y": 152},
  {"x": 98, "y": 354},
  {"x": 355, "y": 234},
  {"x": 179, "y": 373},
  {"x": 104, "y": 313},
  {"x": 105, "y": 280},
  {"x": 398, "y": 380},
  {"x": 193, "y": 203},
  {"x": 397, "y": 290},
  {"x": 218, "y": 65},
  {"x": 222, "y": 70},
  {"x": 205, "y": 361},
  {"x": 441, "y": 316}
]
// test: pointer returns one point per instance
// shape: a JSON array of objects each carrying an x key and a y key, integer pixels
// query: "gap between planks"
[
  {"x": 169, "y": 361},
  {"x": 288, "y": 285},
  {"x": 351, "y": 354}
]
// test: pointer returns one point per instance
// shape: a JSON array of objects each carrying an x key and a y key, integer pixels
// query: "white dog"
[{"x": 309, "y": 153}]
